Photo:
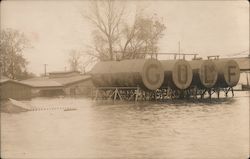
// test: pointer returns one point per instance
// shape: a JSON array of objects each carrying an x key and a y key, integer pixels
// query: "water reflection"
[{"x": 176, "y": 129}]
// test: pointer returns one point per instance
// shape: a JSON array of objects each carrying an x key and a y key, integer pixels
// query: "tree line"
[{"x": 12, "y": 63}]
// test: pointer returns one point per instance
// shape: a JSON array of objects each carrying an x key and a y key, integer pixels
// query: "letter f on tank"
[
  {"x": 182, "y": 74},
  {"x": 209, "y": 74}
]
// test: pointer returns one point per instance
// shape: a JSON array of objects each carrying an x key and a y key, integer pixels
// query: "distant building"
[
  {"x": 244, "y": 64},
  {"x": 14, "y": 89},
  {"x": 63, "y": 74},
  {"x": 61, "y": 83}
]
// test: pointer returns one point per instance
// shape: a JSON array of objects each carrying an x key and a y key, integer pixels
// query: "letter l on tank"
[{"x": 230, "y": 73}]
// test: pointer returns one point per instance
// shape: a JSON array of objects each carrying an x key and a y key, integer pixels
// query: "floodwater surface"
[{"x": 218, "y": 129}]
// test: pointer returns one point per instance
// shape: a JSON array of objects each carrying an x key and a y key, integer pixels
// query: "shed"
[
  {"x": 76, "y": 85},
  {"x": 68, "y": 85},
  {"x": 14, "y": 89},
  {"x": 44, "y": 86}
]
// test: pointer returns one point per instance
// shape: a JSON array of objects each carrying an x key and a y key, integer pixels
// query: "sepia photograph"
[{"x": 124, "y": 79}]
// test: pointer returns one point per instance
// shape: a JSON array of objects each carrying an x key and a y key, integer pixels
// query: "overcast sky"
[{"x": 55, "y": 27}]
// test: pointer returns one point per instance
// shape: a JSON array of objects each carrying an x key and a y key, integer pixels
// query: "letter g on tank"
[{"x": 152, "y": 74}]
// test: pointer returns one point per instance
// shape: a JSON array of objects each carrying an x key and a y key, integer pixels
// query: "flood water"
[{"x": 174, "y": 130}]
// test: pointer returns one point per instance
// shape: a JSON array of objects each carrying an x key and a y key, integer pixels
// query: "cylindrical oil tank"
[
  {"x": 145, "y": 73},
  {"x": 228, "y": 73},
  {"x": 204, "y": 73},
  {"x": 177, "y": 74}
]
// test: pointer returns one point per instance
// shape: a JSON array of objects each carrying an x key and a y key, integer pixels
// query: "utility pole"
[
  {"x": 179, "y": 49},
  {"x": 45, "y": 65}
]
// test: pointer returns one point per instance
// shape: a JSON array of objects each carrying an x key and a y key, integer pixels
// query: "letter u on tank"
[
  {"x": 182, "y": 74},
  {"x": 178, "y": 74}
]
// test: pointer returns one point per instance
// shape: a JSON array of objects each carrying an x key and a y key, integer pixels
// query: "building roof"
[
  {"x": 55, "y": 82},
  {"x": 64, "y": 72},
  {"x": 42, "y": 82},
  {"x": 5, "y": 80},
  {"x": 71, "y": 80}
]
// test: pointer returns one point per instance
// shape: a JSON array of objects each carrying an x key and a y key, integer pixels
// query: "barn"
[{"x": 14, "y": 89}]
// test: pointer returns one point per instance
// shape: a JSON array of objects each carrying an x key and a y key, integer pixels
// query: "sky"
[{"x": 56, "y": 27}]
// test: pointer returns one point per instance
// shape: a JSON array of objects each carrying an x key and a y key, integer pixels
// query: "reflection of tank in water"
[
  {"x": 177, "y": 74},
  {"x": 145, "y": 73},
  {"x": 204, "y": 73},
  {"x": 228, "y": 73}
]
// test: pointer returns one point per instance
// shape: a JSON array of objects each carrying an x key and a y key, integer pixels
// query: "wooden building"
[
  {"x": 76, "y": 85},
  {"x": 14, "y": 89},
  {"x": 61, "y": 83}
]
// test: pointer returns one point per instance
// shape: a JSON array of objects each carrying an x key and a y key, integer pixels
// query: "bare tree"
[
  {"x": 142, "y": 37},
  {"x": 106, "y": 16},
  {"x": 74, "y": 60},
  {"x": 12, "y": 45},
  {"x": 114, "y": 39}
]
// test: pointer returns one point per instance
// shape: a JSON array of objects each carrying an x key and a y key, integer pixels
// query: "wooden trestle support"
[{"x": 138, "y": 94}]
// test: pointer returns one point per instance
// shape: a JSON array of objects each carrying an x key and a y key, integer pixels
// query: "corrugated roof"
[{"x": 4, "y": 80}]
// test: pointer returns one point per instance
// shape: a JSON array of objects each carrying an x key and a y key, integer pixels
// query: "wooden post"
[
  {"x": 232, "y": 91},
  {"x": 137, "y": 94},
  {"x": 218, "y": 93},
  {"x": 115, "y": 94},
  {"x": 210, "y": 93},
  {"x": 96, "y": 94}
]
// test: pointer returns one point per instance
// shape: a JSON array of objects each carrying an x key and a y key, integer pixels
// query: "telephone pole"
[
  {"x": 179, "y": 49},
  {"x": 45, "y": 65}
]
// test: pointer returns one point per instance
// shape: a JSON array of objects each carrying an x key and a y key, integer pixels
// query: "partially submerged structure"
[
  {"x": 14, "y": 89},
  {"x": 60, "y": 83},
  {"x": 150, "y": 79}
]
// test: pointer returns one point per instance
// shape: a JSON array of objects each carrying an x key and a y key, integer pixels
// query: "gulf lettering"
[
  {"x": 209, "y": 74},
  {"x": 231, "y": 72},
  {"x": 182, "y": 74},
  {"x": 152, "y": 68}
]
